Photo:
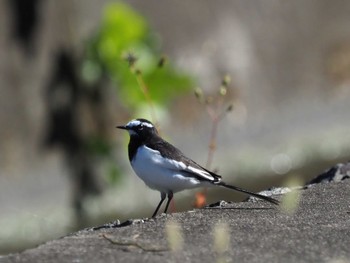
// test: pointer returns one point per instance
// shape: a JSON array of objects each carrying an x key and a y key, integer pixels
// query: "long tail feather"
[{"x": 266, "y": 198}]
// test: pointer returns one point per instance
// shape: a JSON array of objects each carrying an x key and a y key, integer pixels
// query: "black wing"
[{"x": 186, "y": 165}]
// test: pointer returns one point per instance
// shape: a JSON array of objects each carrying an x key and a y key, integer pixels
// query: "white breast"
[{"x": 160, "y": 173}]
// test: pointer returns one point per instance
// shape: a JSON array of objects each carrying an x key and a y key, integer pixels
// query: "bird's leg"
[
  {"x": 170, "y": 196},
  {"x": 162, "y": 198}
]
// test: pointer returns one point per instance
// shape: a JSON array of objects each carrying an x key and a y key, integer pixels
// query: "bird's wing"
[
  {"x": 174, "y": 159},
  {"x": 201, "y": 173}
]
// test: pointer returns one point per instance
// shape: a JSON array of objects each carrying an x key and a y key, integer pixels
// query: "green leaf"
[{"x": 124, "y": 31}]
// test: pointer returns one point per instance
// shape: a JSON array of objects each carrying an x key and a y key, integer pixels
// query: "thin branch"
[
  {"x": 134, "y": 243},
  {"x": 145, "y": 91}
]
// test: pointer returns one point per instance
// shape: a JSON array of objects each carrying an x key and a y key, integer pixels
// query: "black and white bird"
[{"x": 165, "y": 168}]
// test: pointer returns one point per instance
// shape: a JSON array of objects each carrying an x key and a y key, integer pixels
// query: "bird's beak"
[{"x": 122, "y": 127}]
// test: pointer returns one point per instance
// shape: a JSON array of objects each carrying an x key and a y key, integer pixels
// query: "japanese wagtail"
[{"x": 165, "y": 168}]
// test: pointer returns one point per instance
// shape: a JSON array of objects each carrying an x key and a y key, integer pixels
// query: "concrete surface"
[{"x": 317, "y": 231}]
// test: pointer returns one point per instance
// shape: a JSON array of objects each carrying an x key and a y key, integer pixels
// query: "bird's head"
[{"x": 140, "y": 127}]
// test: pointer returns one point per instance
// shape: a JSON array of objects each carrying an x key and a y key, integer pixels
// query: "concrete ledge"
[{"x": 317, "y": 231}]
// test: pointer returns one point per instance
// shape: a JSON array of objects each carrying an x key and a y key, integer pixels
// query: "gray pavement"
[{"x": 317, "y": 231}]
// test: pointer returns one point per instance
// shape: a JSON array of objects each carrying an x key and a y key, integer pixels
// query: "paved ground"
[{"x": 318, "y": 231}]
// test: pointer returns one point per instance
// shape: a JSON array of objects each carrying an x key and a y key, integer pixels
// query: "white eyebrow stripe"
[
  {"x": 147, "y": 124},
  {"x": 135, "y": 123}
]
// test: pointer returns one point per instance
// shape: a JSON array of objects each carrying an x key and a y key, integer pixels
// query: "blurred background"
[{"x": 258, "y": 91}]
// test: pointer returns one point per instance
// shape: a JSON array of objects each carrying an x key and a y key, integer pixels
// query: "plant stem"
[{"x": 145, "y": 91}]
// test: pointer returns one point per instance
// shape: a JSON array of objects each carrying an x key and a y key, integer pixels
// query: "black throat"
[{"x": 134, "y": 143}]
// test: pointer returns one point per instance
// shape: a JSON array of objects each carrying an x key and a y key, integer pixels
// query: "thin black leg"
[
  {"x": 162, "y": 198},
  {"x": 170, "y": 196}
]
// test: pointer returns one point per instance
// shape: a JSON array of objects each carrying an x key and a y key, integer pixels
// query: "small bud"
[
  {"x": 226, "y": 81},
  {"x": 229, "y": 108},
  {"x": 223, "y": 91},
  {"x": 130, "y": 58},
  {"x": 162, "y": 61},
  {"x": 198, "y": 93},
  {"x": 138, "y": 72},
  {"x": 209, "y": 100}
]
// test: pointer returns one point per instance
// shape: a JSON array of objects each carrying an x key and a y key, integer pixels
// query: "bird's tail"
[{"x": 266, "y": 198}]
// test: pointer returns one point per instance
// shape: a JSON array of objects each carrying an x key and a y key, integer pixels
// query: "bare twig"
[
  {"x": 146, "y": 93},
  {"x": 216, "y": 114},
  {"x": 132, "y": 59},
  {"x": 134, "y": 243}
]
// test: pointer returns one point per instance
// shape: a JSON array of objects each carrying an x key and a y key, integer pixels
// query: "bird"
[{"x": 164, "y": 168}]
